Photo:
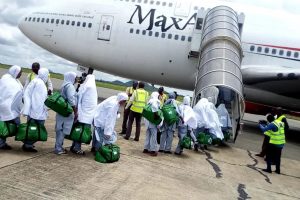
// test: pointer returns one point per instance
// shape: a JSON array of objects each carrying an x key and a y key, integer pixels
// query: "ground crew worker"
[
  {"x": 276, "y": 143},
  {"x": 105, "y": 120},
  {"x": 263, "y": 152},
  {"x": 151, "y": 133},
  {"x": 35, "y": 69},
  {"x": 162, "y": 98},
  {"x": 10, "y": 99},
  {"x": 129, "y": 92},
  {"x": 166, "y": 137},
  {"x": 64, "y": 124},
  {"x": 281, "y": 117},
  {"x": 87, "y": 99},
  {"x": 137, "y": 102},
  {"x": 34, "y": 97}
]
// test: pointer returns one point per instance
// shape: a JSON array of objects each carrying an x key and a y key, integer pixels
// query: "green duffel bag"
[
  {"x": 186, "y": 142},
  {"x": 80, "y": 133},
  {"x": 108, "y": 154},
  {"x": 170, "y": 114},
  {"x": 31, "y": 131},
  {"x": 205, "y": 139},
  {"x": 149, "y": 115},
  {"x": 7, "y": 129},
  {"x": 58, "y": 104}
]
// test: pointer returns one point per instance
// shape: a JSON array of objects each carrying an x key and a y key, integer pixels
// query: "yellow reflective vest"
[
  {"x": 281, "y": 118},
  {"x": 268, "y": 133},
  {"x": 162, "y": 99},
  {"x": 139, "y": 101},
  {"x": 278, "y": 137}
]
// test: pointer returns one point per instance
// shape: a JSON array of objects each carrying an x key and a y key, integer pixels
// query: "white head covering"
[
  {"x": 187, "y": 100},
  {"x": 69, "y": 77},
  {"x": 43, "y": 74},
  {"x": 154, "y": 101},
  {"x": 122, "y": 97},
  {"x": 14, "y": 71}
]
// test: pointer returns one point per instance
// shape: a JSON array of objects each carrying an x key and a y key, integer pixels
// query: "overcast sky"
[{"x": 282, "y": 16}]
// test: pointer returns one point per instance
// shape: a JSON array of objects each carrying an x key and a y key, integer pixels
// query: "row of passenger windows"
[
  {"x": 58, "y": 21},
  {"x": 273, "y": 51},
  {"x": 152, "y": 2},
  {"x": 162, "y": 35}
]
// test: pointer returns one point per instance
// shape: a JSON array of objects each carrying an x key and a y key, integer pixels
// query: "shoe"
[
  {"x": 259, "y": 155},
  {"x": 153, "y": 153},
  {"x": 146, "y": 151},
  {"x": 196, "y": 147},
  {"x": 126, "y": 138},
  {"x": 79, "y": 152},
  {"x": 277, "y": 171},
  {"x": 26, "y": 149},
  {"x": 168, "y": 152},
  {"x": 122, "y": 133},
  {"x": 93, "y": 149},
  {"x": 136, "y": 139},
  {"x": 161, "y": 151},
  {"x": 266, "y": 170},
  {"x": 6, "y": 147},
  {"x": 64, "y": 152}
]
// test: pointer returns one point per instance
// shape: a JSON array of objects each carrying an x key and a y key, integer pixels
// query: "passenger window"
[
  {"x": 252, "y": 48},
  {"x": 144, "y": 32},
  {"x": 131, "y": 30},
  {"x": 84, "y": 24},
  {"x": 57, "y": 21},
  {"x": 108, "y": 27},
  {"x": 183, "y": 38},
  {"x": 190, "y": 39},
  {"x": 296, "y": 54},
  {"x": 78, "y": 23},
  {"x": 33, "y": 19},
  {"x": 150, "y": 33},
  {"x": 274, "y": 51},
  {"x": 137, "y": 31},
  {"x": 43, "y": 20},
  {"x": 259, "y": 49},
  {"x": 156, "y": 34},
  {"x": 281, "y": 52},
  {"x": 52, "y": 21},
  {"x": 68, "y": 22},
  {"x": 196, "y": 8},
  {"x": 163, "y": 35},
  {"x": 62, "y": 22},
  {"x": 90, "y": 25},
  {"x": 288, "y": 53},
  {"x": 38, "y": 19},
  {"x": 151, "y": 2},
  {"x": 266, "y": 50},
  {"x": 47, "y": 21},
  {"x": 133, "y": 0},
  {"x": 170, "y": 36},
  {"x": 73, "y": 23},
  {"x": 176, "y": 37},
  {"x": 158, "y": 3},
  {"x": 127, "y": 0},
  {"x": 29, "y": 19},
  {"x": 139, "y": 1},
  {"x": 146, "y": 1},
  {"x": 170, "y": 4},
  {"x": 25, "y": 19}
]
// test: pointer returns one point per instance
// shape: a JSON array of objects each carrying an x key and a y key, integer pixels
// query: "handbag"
[
  {"x": 80, "y": 133},
  {"x": 58, "y": 104},
  {"x": 31, "y": 131},
  {"x": 7, "y": 129},
  {"x": 108, "y": 154}
]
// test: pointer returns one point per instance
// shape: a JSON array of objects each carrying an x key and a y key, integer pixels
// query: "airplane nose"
[{"x": 22, "y": 25}]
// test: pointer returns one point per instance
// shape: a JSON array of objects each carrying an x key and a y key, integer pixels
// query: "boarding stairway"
[{"x": 216, "y": 43}]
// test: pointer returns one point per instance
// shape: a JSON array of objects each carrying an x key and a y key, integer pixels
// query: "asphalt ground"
[{"x": 227, "y": 172}]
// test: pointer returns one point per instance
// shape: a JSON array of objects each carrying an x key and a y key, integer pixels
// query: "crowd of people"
[{"x": 16, "y": 100}]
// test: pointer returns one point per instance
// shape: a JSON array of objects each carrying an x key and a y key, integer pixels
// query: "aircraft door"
[{"x": 105, "y": 27}]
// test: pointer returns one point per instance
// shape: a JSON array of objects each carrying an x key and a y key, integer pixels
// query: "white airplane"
[{"x": 151, "y": 40}]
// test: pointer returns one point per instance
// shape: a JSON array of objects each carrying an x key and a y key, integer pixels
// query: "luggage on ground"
[
  {"x": 58, "y": 104},
  {"x": 7, "y": 129},
  {"x": 170, "y": 114},
  {"x": 108, "y": 154},
  {"x": 80, "y": 133},
  {"x": 149, "y": 115},
  {"x": 31, "y": 131}
]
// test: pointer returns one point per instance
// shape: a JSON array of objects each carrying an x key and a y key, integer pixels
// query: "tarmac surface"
[{"x": 225, "y": 172}]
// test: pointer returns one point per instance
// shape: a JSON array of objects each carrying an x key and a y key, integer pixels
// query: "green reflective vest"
[{"x": 278, "y": 137}]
